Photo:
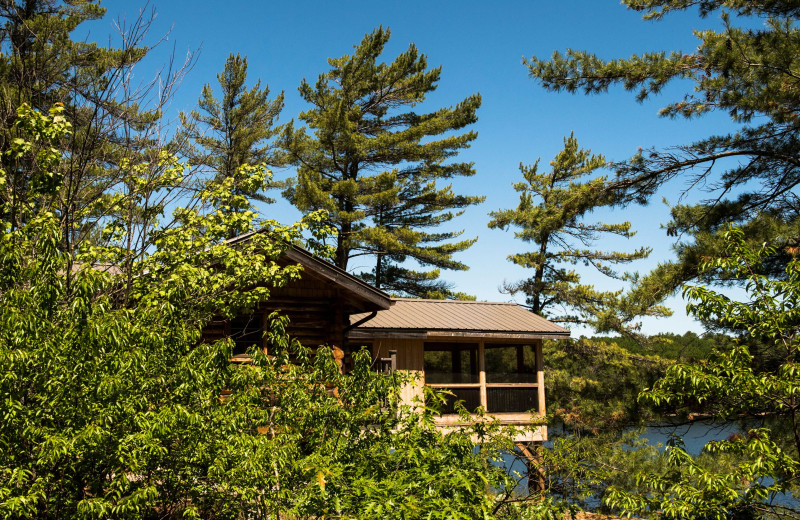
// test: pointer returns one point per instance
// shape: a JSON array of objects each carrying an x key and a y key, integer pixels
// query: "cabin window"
[
  {"x": 502, "y": 378},
  {"x": 510, "y": 363},
  {"x": 246, "y": 331},
  {"x": 451, "y": 363}
]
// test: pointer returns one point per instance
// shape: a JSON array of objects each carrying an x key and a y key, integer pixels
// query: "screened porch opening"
[{"x": 501, "y": 378}]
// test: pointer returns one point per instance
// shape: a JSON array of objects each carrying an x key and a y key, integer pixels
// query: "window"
[
  {"x": 246, "y": 331},
  {"x": 502, "y": 378}
]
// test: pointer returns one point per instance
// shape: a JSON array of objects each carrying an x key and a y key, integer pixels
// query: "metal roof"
[{"x": 465, "y": 318}]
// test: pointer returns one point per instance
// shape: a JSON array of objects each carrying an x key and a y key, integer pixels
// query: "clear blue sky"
[{"x": 480, "y": 46}]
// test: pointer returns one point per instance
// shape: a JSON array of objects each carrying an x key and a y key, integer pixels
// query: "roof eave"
[
  {"x": 341, "y": 277},
  {"x": 379, "y": 299},
  {"x": 365, "y": 333}
]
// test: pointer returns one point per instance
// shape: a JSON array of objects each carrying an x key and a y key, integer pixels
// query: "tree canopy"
[
  {"x": 113, "y": 405},
  {"x": 114, "y": 256},
  {"x": 376, "y": 165},
  {"x": 745, "y": 70}
]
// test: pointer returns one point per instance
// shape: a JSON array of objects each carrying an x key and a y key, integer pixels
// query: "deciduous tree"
[
  {"x": 113, "y": 409},
  {"x": 117, "y": 140},
  {"x": 732, "y": 386}
]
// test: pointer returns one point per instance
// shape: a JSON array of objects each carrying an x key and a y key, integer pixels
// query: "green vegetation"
[
  {"x": 673, "y": 347},
  {"x": 115, "y": 411},
  {"x": 374, "y": 168},
  {"x": 748, "y": 73},
  {"x": 111, "y": 407},
  {"x": 114, "y": 123},
  {"x": 592, "y": 386},
  {"x": 550, "y": 215},
  {"x": 114, "y": 407},
  {"x": 731, "y": 386},
  {"x": 598, "y": 460},
  {"x": 236, "y": 130}
]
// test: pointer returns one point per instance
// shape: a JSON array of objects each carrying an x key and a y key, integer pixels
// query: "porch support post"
[
  {"x": 540, "y": 377},
  {"x": 482, "y": 374}
]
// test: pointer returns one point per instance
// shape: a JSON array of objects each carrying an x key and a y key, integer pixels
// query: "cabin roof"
[
  {"x": 368, "y": 297},
  {"x": 409, "y": 316}
]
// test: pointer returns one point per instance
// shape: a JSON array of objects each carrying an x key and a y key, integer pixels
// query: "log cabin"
[{"x": 484, "y": 354}]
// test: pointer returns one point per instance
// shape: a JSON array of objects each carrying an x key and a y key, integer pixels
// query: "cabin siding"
[
  {"x": 311, "y": 306},
  {"x": 409, "y": 360},
  {"x": 314, "y": 307}
]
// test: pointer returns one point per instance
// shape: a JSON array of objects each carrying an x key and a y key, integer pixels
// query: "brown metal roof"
[{"x": 466, "y": 318}]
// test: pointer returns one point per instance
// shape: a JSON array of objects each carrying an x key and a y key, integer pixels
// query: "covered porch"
[{"x": 486, "y": 355}]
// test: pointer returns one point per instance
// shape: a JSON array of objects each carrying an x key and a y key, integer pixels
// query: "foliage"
[
  {"x": 377, "y": 169},
  {"x": 593, "y": 416},
  {"x": 587, "y": 473},
  {"x": 113, "y": 407},
  {"x": 592, "y": 386},
  {"x": 234, "y": 131},
  {"x": 580, "y": 469},
  {"x": 550, "y": 215},
  {"x": 746, "y": 70},
  {"x": 116, "y": 124},
  {"x": 597, "y": 453},
  {"x": 732, "y": 385}
]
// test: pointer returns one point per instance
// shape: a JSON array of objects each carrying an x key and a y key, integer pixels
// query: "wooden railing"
[{"x": 500, "y": 397}]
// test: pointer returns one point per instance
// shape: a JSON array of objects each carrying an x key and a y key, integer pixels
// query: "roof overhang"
[
  {"x": 368, "y": 297},
  {"x": 366, "y": 333},
  {"x": 447, "y": 319},
  {"x": 374, "y": 298}
]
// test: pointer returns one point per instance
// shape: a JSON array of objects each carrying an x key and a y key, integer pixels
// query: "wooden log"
[{"x": 533, "y": 456}]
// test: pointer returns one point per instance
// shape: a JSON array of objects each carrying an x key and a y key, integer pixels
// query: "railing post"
[{"x": 388, "y": 365}]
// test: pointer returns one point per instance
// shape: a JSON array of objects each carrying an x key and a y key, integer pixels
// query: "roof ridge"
[{"x": 429, "y": 300}]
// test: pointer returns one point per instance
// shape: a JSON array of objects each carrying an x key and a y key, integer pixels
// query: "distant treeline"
[
  {"x": 686, "y": 347},
  {"x": 593, "y": 384}
]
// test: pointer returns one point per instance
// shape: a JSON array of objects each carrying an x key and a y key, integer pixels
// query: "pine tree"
[
  {"x": 550, "y": 215},
  {"x": 749, "y": 73},
  {"x": 374, "y": 164},
  {"x": 236, "y": 130}
]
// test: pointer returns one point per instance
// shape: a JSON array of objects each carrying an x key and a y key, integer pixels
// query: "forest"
[{"x": 115, "y": 253}]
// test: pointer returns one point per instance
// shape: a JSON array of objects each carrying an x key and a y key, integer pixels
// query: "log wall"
[{"x": 313, "y": 307}]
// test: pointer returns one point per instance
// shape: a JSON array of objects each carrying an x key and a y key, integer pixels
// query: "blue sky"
[{"x": 480, "y": 46}]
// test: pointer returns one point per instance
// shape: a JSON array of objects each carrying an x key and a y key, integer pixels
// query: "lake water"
[{"x": 695, "y": 436}]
